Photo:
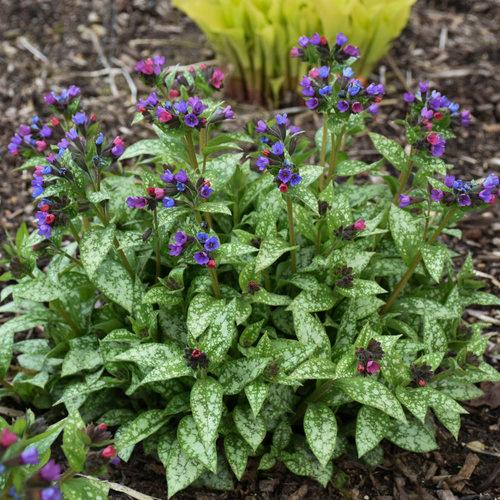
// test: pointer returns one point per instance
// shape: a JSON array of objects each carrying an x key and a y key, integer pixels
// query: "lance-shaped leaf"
[
  {"x": 135, "y": 431},
  {"x": 202, "y": 312},
  {"x": 270, "y": 299},
  {"x": 252, "y": 429},
  {"x": 271, "y": 249},
  {"x": 370, "y": 392},
  {"x": 85, "y": 487},
  {"x": 319, "y": 299},
  {"x": 214, "y": 207},
  {"x": 320, "y": 427},
  {"x": 412, "y": 436},
  {"x": 353, "y": 167},
  {"x": 407, "y": 233},
  {"x": 256, "y": 393},
  {"x": 237, "y": 452},
  {"x": 391, "y": 151},
  {"x": 371, "y": 427},
  {"x": 233, "y": 252},
  {"x": 435, "y": 257},
  {"x": 310, "y": 330},
  {"x": 303, "y": 463},
  {"x": 75, "y": 442},
  {"x": 206, "y": 406},
  {"x": 167, "y": 370},
  {"x": 314, "y": 368},
  {"x": 238, "y": 373},
  {"x": 192, "y": 444},
  {"x": 361, "y": 288},
  {"x": 182, "y": 470},
  {"x": 94, "y": 247}
]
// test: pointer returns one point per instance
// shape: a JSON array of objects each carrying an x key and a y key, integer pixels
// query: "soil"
[{"x": 46, "y": 44}]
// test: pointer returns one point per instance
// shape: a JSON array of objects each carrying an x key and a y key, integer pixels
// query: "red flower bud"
[
  {"x": 93, "y": 117},
  {"x": 50, "y": 219},
  {"x": 438, "y": 116},
  {"x": 361, "y": 368},
  {"x": 196, "y": 353},
  {"x": 151, "y": 191},
  {"x": 7, "y": 438},
  {"x": 323, "y": 40},
  {"x": 211, "y": 264},
  {"x": 102, "y": 427},
  {"x": 359, "y": 225},
  {"x": 203, "y": 66},
  {"x": 283, "y": 187},
  {"x": 421, "y": 382},
  {"x": 266, "y": 152},
  {"x": 54, "y": 121},
  {"x": 44, "y": 208},
  {"x": 108, "y": 452},
  {"x": 378, "y": 98},
  {"x": 174, "y": 93}
]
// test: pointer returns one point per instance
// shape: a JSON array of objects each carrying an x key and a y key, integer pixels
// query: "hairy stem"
[
  {"x": 322, "y": 158},
  {"x": 403, "y": 179},
  {"x": 157, "y": 244},
  {"x": 191, "y": 151},
  {"x": 215, "y": 283},
  {"x": 291, "y": 231}
]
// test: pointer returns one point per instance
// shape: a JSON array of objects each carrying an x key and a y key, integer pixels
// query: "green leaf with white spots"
[
  {"x": 231, "y": 253},
  {"x": 480, "y": 298},
  {"x": 94, "y": 247},
  {"x": 413, "y": 400},
  {"x": 114, "y": 282},
  {"x": 340, "y": 213},
  {"x": 220, "y": 170},
  {"x": 434, "y": 257},
  {"x": 310, "y": 331},
  {"x": 201, "y": 313},
  {"x": 214, "y": 207},
  {"x": 271, "y": 249},
  {"x": 152, "y": 355},
  {"x": 371, "y": 427},
  {"x": 83, "y": 355},
  {"x": 237, "y": 452},
  {"x": 192, "y": 444},
  {"x": 310, "y": 173},
  {"x": 221, "y": 333},
  {"x": 75, "y": 441},
  {"x": 256, "y": 393},
  {"x": 407, "y": 232},
  {"x": 423, "y": 307},
  {"x": 40, "y": 289},
  {"x": 412, "y": 436},
  {"x": 391, "y": 151},
  {"x": 434, "y": 336},
  {"x": 352, "y": 167},
  {"x": 302, "y": 462},
  {"x": 163, "y": 296},
  {"x": 270, "y": 299},
  {"x": 320, "y": 427},
  {"x": 237, "y": 374},
  {"x": 135, "y": 431},
  {"x": 370, "y": 392},
  {"x": 319, "y": 299},
  {"x": 206, "y": 407},
  {"x": 361, "y": 288},
  {"x": 182, "y": 470},
  {"x": 167, "y": 370},
  {"x": 84, "y": 487},
  {"x": 314, "y": 368},
  {"x": 252, "y": 429}
]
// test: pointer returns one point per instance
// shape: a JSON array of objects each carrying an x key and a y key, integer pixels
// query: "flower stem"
[
  {"x": 74, "y": 232},
  {"x": 336, "y": 145},
  {"x": 191, "y": 151},
  {"x": 403, "y": 179},
  {"x": 414, "y": 263},
  {"x": 157, "y": 244},
  {"x": 215, "y": 283},
  {"x": 318, "y": 237},
  {"x": 322, "y": 158},
  {"x": 291, "y": 231}
]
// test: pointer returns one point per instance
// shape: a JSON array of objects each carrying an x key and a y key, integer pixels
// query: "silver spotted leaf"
[
  {"x": 94, "y": 247},
  {"x": 252, "y": 429},
  {"x": 320, "y": 427},
  {"x": 237, "y": 452},
  {"x": 371, "y": 427}
]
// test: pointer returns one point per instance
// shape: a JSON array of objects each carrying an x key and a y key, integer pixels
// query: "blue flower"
[
  {"x": 281, "y": 119},
  {"x": 181, "y": 187},
  {"x": 262, "y": 163},
  {"x": 348, "y": 72},
  {"x": 340, "y": 39},
  {"x": 100, "y": 139},
  {"x": 284, "y": 175},
  {"x": 278, "y": 148},
  {"x": 168, "y": 202},
  {"x": 79, "y": 118},
  {"x": 326, "y": 90},
  {"x": 324, "y": 71},
  {"x": 211, "y": 244},
  {"x": 354, "y": 87},
  {"x": 202, "y": 237},
  {"x": 296, "y": 179},
  {"x": 72, "y": 134}
]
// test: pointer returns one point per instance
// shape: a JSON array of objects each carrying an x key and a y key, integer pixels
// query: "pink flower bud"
[
  {"x": 7, "y": 438},
  {"x": 108, "y": 452},
  {"x": 372, "y": 367},
  {"x": 359, "y": 225}
]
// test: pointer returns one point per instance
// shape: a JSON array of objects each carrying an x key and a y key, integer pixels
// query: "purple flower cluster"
[
  {"x": 181, "y": 241},
  {"x": 151, "y": 66},
  {"x": 317, "y": 48},
  {"x": 209, "y": 243},
  {"x": 188, "y": 113},
  {"x": 62, "y": 100},
  {"x": 33, "y": 137},
  {"x": 368, "y": 359},
  {"x": 434, "y": 114},
  {"x": 466, "y": 192},
  {"x": 279, "y": 142}
]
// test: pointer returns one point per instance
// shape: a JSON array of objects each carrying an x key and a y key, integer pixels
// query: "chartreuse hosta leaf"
[
  {"x": 75, "y": 442},
  {"x": 252, "y": 429},
  {"x": 206, "y": 407},
  {"x": 320, "y": 427},
  {"x": 193, "y": 445},
  {"x": 135, "y": 431},
  {"x": 237, "y": 451},
  {"x": 407, "y": 232},
  {"x": 236, "y": 374},
  {"x": 271, "y": 249},
  {"x": 371, "y": 427},
  {"x": 370, "y": 392},
  {"x": 95, "y": 246},
  {"x": 182, "y": 470},
  {"x": 391, "y": 151},
  {"x": 434, "y": 256}
]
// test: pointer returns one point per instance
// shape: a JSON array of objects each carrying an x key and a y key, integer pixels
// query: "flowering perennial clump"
[{"x": 213, "y": 296}]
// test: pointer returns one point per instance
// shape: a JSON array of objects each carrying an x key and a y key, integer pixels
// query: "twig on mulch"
[{"x": 24, "y": 43}]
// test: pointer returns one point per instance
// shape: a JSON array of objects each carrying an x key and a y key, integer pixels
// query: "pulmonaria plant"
[{"x": 214, "y": 301}]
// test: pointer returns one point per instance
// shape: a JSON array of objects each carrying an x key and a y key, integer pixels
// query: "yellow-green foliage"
[{"x": 255, "y": 36}]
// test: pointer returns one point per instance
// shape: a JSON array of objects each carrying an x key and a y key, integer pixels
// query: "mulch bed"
[{"x": 48, "y": 44}]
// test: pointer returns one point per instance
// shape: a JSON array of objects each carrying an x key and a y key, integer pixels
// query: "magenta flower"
[
  {"x": 356, "y": 107},
  {"x": 372, "y": 367},
  {"x": 118, "y": 146},
  {"x": 150, "y": 66},
  {"x": 217, "y": 78},
  {"x": 7, "y": 438}
]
